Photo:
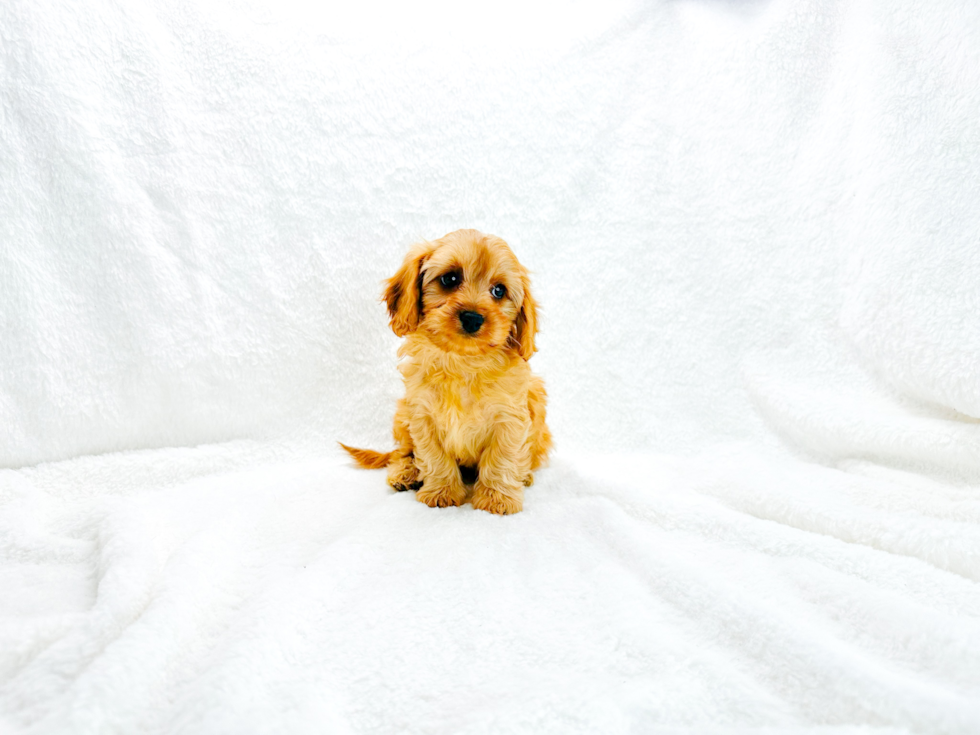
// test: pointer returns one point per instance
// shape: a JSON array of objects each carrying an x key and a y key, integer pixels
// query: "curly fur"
[{"x": 471, "y": 405}]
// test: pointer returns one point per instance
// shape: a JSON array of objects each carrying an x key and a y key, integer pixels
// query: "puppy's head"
[{"x": 466, "y": 293}]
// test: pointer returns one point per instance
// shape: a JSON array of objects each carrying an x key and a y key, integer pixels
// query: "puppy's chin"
[
  {"x": 447, "y": 334},
  {"x": 461, "y": 343},
  {"x": 464, "y": 344}
]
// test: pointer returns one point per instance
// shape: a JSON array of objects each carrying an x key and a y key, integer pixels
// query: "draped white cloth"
[{"x": 754, "y": 232}]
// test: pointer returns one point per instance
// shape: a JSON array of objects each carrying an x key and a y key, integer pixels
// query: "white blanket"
[{"x": 754, "y": 231}]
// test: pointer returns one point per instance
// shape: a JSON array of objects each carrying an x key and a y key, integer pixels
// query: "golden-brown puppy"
[{"x": 464, "y": 305}]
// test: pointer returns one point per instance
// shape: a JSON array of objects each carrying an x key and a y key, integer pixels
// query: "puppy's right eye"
[{"x": 450, "y": 280}]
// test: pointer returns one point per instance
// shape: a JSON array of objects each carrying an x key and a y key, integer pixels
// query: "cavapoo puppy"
[{"x": 472, "y": 411}]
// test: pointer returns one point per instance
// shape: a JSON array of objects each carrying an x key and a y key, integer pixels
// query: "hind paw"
[{"x": 403, "y": 474}]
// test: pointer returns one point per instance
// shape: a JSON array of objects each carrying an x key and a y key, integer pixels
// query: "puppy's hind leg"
[
  {"x": 402, "y": 472},
  {"x": 539, "y": 438}
]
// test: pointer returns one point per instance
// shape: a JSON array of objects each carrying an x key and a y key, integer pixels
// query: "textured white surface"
[
  {"x": 730, "y": 590},
  {"x": 754, "y": 232}
]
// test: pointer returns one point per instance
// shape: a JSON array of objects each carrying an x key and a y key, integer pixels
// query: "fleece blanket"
[{"x": 753, "y": 230}]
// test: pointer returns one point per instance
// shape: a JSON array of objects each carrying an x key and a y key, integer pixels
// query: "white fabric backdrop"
[{"x": 754, "y": 231}]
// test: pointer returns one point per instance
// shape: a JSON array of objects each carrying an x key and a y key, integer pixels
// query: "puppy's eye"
[
  {"x": 498, "y": 291},
  {"x": 450, "y": 280}
]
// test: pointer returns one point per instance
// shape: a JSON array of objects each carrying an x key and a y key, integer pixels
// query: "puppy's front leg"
[
  {"x": 441, "y": 483},
  {"x": 503, "y": 466}
]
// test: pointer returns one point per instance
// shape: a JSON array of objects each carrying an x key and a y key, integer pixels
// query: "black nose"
[{"x": 470, "y": 320}]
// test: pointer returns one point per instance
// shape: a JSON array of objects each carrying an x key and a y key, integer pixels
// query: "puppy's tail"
[{"x": 368, "y": 458}]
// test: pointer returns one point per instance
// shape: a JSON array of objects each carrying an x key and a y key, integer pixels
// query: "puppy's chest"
[
  {"x": 463, "y": 412},
  {"x": 463, "y": 406}
]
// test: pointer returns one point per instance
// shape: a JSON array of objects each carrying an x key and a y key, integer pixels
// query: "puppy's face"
[{"x": 467, "y": 293}]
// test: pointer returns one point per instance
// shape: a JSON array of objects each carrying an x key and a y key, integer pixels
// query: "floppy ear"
[
  {"x": 403, "y": 292},
  {"x": 526, "y": 323}
]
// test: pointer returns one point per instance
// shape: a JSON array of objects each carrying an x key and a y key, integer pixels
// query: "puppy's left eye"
[{"x": 498, "y": 291}]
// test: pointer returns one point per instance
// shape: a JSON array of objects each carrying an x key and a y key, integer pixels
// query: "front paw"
[
  {"x": 495, "y": 501},
  {"x": 441, "y": 497}
]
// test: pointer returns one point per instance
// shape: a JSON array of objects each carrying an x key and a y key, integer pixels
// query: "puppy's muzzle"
[{"x": 471, "y": 321}]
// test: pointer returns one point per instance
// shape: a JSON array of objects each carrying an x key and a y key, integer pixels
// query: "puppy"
[{"x": 472, "y": 409}]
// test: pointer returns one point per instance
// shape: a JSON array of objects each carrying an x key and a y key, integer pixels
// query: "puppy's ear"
[
  {"x": 526, "y": 323},
  {"x": 403, "y": 291}
]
